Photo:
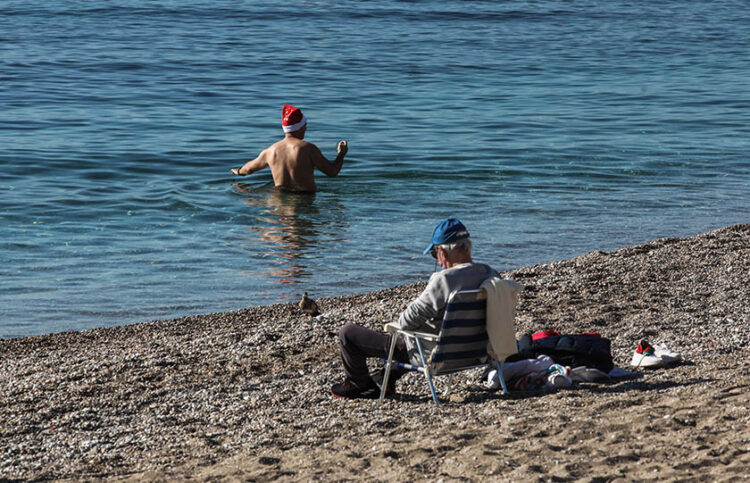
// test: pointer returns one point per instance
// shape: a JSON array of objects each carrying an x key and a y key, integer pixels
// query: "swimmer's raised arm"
[
  {"x": 330, "y": 168},
  {"x": 252, "y": 166}
]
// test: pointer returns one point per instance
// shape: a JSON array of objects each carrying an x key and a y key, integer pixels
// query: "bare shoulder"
[
  {"x": 275, "y": 146},
  {"x": 274, "y": 150},
  {"x": 308, "y": 146}
]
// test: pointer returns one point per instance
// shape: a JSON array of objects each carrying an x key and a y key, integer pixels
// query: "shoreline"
[
  {"x": 181, "y": 317},
  {"x": 244, "y": 394}
]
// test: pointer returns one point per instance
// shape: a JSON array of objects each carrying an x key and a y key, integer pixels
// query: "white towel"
[{"x": 502, "y": 296}]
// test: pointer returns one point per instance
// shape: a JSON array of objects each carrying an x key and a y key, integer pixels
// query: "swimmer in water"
[{"x": 293, "y": 160}]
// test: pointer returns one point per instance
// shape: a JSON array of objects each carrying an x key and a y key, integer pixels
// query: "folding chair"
[{"x": 461, "y": 344}]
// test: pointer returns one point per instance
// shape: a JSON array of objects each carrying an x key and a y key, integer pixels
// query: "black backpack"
[{"x": 570, "y": 350}]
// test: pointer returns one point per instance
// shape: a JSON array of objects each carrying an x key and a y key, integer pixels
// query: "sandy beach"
[{"x": 244, "y": 395}]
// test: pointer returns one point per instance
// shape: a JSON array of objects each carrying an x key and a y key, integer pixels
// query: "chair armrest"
[
  {"x": 421, "y": 335},
  {"x": 392, "y": 327}
]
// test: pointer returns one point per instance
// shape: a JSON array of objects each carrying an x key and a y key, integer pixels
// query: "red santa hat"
[{"x": 292, "y": 118}]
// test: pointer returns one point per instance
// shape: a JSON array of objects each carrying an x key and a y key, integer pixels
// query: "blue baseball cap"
[{"x": 449, "y": 230}]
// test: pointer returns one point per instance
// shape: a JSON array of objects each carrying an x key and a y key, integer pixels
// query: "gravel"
[{"x": 248, "y": 390}]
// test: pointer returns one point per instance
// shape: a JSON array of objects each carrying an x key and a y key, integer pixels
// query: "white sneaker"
[
  {"x": 645, "y": 356},
  {"x": 667, "y": 355}
]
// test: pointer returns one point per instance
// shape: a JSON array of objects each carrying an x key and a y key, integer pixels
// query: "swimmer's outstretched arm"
[
  {"x": 331, "y": 168},
  {"x": 251, "y": 166}
]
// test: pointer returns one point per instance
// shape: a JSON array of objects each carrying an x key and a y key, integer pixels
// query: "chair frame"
[{"x": 428, "y": 369}]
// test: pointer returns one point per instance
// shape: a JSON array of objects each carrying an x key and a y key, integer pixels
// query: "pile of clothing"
[{"x": 550, "y": 360}]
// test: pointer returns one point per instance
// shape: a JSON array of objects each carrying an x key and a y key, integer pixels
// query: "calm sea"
[{"x": 551, "y": 128}]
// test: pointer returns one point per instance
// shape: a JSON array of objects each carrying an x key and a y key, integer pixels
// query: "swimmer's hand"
[
  {"x": 237, "y": 171},
  {"x": 342, "y": 148}
]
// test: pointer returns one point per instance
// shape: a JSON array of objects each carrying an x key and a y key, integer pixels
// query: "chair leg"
[
  {"x": 449, "y": 386},
  {"x": 387, "y": 375},
  {"x": 427, "y": 373},
  {"x": 499, "y": 366}
]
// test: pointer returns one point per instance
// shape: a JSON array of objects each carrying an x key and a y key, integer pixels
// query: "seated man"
[
  {"x": 293, "y": 160},
  {"x": 451, "y": 246}
]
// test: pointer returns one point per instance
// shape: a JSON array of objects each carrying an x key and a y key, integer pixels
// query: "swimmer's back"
[{"x": 292, "y": 165}]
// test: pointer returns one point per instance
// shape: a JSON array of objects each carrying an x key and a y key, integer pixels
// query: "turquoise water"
[{"x": 550, "y": 128}]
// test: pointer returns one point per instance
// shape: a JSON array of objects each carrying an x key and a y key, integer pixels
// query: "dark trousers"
[{"x": 357, "y": 343}]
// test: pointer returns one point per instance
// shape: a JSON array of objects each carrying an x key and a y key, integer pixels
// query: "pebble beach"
[{"x": 244, "y": 395}]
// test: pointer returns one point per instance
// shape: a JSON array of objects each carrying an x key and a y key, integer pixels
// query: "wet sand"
[{"x": 245, "y": 394}]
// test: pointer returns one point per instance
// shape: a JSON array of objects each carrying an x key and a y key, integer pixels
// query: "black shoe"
[
  {"x": 349, "y": 390},
  {"x": 379, "y": 375}
]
